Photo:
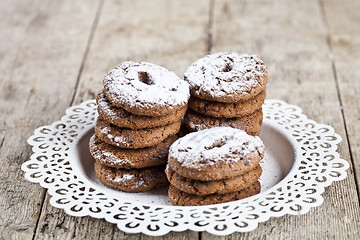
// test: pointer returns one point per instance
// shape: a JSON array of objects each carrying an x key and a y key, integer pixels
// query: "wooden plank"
[
  {"x": 344, "y": 36},
  {"x": 41, "y": 52},
  {"x": 54, "y": 223},
  {"x": 155, "y": 31},
  {"x": 294, "y": 47}
]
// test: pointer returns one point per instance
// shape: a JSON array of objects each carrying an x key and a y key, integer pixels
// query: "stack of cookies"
[
  {"x": 227, "y": 89},
  {"x": 213, "y": 166},
  {"x": 140, "y": 111}
]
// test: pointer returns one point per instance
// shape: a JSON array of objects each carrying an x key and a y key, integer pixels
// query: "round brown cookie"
[
  {"x": 134, "y": 138},
  {"x": 251, "y": 124},
  {"x": 131, "y": 180},
  {"x": 120, "y": 117},
  {"x": 227, "y": 77},
  {"x": 216, "y": 153},
  {"x": 222, "y": 186},
  {"x": 113, "y": 156},
  {"x": 146, "y": 89},
  {"x": 227, "y": 110},
  {"x": 180, "y": 198}
]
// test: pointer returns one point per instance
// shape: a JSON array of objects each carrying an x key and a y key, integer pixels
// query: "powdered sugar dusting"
[
  {"x": 124, "y": 178},
  {"x": 226, "y": 74},
  {"x": 145, "y": 85},
  {"x": 130, "y": 180},
  {"x": 111, "y": 156},
  {"x": 215, "y": 145},
  {"x": 106, "y": 131},
  {"x": 197, "y": 126}
]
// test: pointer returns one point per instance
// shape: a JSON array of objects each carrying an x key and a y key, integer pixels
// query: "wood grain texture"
[
  {"x": 294, "y": 46},
  {"x": 41, "y": 52},
  {"x": 344, "y": 40},
  {"x": 155, "y": 31},
  {"x": 56, "y": 224},
  {"x": 172, "y": 34}
]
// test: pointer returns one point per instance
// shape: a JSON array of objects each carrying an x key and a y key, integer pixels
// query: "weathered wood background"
[{"x": 54, "y": 54}]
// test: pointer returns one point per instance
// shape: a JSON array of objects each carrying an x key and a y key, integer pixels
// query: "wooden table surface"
[{"x": 54, "y": 54}]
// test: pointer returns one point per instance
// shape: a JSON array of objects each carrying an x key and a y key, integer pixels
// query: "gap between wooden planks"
[{"x": 344, "y": 46}]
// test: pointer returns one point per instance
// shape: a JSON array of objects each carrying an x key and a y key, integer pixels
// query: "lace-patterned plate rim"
[{"x": 54, "y": 144}]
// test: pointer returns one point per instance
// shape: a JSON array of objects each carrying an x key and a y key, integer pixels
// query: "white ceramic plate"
[{"x": 300, "y": 160}]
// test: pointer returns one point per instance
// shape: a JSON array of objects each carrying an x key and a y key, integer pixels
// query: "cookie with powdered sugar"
[
  {"x": 122, "y": 118},
  {"x": 227, "y": 77},
  {"x": 134, "y": 138},
  {"x": 131, "y": 180},
  {"x": 146, "y": 89},
  {"x": 251, "y": 123},
  {"x": 180, "y": 198},
  {"x": 227, "y": 110},
  {"x": 113, "y": 156},
  {"x": 222, "y": 186},
  {"x": 216, "y": 153}
]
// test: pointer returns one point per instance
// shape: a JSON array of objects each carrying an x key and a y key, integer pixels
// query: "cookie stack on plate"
[
  {"x": 140, "y": 111},
  {"x": 213, "y": 166},
  {"x": 227, "y": 89}
]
